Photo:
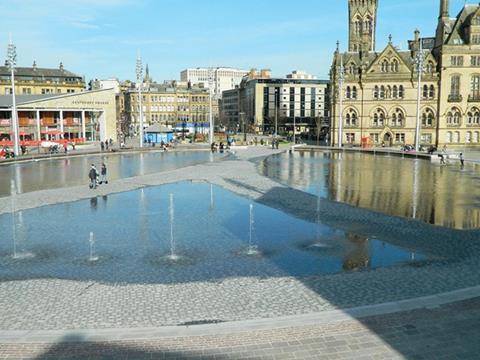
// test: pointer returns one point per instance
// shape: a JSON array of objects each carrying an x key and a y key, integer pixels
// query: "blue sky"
[{"x": 101, "y": 38}]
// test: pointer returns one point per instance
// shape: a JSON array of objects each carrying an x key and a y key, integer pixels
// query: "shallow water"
[
  {"x": 132, "y": 236},
  {"x": 440, "y": 195},
  {"x": 55, "y": 173}
]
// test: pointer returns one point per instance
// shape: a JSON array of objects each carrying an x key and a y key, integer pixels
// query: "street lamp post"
[
  {"x": 242, "y": 117},
  {"x": 419, "y": 62},
  {"x": 276, "y": 112},
  {"x": 12, "y": 60},
  {"x": 341, "y": 78},
  {"x": 140, "y": 84},
  {"x": 210, "y": 108},
  {"x": 294, "y": 129}
]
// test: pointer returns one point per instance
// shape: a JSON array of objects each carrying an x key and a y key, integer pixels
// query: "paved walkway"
[
  {"x": 446, "y": 332},
  {"x": 424, "y": 333}
]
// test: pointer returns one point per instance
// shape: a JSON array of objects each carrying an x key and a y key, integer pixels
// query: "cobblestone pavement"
[{"x": 448, "y": 332}]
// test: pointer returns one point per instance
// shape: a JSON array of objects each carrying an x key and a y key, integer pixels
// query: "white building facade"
[{"x": 223, "y": 78}]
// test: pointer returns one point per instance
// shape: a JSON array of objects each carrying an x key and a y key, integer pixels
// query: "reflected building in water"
[{"x": 416, "y": 189}]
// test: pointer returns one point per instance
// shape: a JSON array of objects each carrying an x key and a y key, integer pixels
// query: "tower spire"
[{"x": 362, "y": 25}]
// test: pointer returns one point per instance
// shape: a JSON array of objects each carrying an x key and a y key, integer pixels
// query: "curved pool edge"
[{"x": 233, "y": 327}]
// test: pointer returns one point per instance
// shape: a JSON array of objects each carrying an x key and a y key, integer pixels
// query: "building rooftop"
[
  {"x": 39, "y": 72},
  {"x": 6, "y": 100}
]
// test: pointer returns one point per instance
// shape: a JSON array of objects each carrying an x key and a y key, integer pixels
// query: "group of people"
[
  {"x": 106, "y": 145},
  {"x": 94, "y": 176},
  {"x": 221, "y": 147},
  {"x": 275, "y": 143}
]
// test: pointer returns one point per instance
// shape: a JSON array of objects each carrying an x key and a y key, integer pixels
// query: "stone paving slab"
[{"x": 446, "y": 332}]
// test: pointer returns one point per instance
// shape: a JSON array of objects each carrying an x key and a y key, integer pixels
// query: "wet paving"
[
  {"x": 56, "y": 173},
  {"x": 446, "y": 196}
]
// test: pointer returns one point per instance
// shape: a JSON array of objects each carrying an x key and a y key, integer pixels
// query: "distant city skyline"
[{"x": 101, "y": 39}]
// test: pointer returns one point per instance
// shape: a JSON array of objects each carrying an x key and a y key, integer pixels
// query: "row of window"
[
  {"x": 28, "y": 91},
  {"x": 456, "y": 83},
  {"x": 172, "y": 117},
  {"x": 454, "y": 117},
  {"x": 389, "y": 92},
  {"x": 393, "y": 66},
  {"x": 171, "y": 99},
  {"x": 397, "y": 118},
  {"x": 450, "y": 137},
  {"x": 454, "y": 137},
  {"x": 363, "y": 26},
  {"x": 458, "y": 61}
]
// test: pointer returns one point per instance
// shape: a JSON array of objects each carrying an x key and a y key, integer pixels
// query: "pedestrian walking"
[
  {"x": 92, "y": 174},
  {"x": 462, "y": 160},
  {"x": 103, "y": 174},
  {"x": 102, "y": 146},
  {"x": 276, "y": 143},
  {"x": 106, "y": 145}
]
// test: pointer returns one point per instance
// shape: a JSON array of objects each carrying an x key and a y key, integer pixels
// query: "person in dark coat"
[
  {"x": 103, "y": 174},
  {"x": 92, "y": 174}
]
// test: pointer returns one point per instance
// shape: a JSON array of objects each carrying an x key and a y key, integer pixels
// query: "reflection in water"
[
  {"x": 94, "y": 203},
  {"x": 55, "y": 173},
  {"x": 282, "y": 244},
  {"x": 443, "y": 196}
]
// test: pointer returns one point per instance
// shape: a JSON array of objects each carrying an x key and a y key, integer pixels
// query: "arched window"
[
  {"x": 348, "y": 93},
  {"x": 375, "y": 92},
  {"x": 401, "y": 92},
  {"x": 354, "y": 92},
  {"x": 398, "y": 117},
  {"x": 431, "y": 92},
  {"x": 449, "y": 118},
  {"x": 395, "y": 92},
  {"x": 351, "y": 69},
  {"x": 358, "y": 25},
  {"x": 388, "y": 93},
  {"x": 369, "y": 25},
  {"x": 379, "y": 118},
  {"x": 385, "y": 66},
  {"x": 351, "y": 118},
  {"x": 394, "y": 65},
  {"x": 382, "y": 92},
  {"x": 428, "y": 118},
  {"x": 456, "y": 116},
  {"x": 473, "y": 116}
]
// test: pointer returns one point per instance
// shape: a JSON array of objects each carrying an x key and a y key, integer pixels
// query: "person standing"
[
  {"x": 462, "y": 160},
  {"x": 103, "y": 174},
  {"x": 92, "y": 174},
  {"x": 102, "y": 146}
]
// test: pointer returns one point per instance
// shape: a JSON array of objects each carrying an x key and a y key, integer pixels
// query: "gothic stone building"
[{"x": 379, "y": 92}]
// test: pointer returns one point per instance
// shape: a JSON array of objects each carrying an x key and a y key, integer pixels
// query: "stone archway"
[{"x": 388, "y": 139}]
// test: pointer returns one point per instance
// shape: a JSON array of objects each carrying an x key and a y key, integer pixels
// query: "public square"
[{"x": 258, "y": 309}]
